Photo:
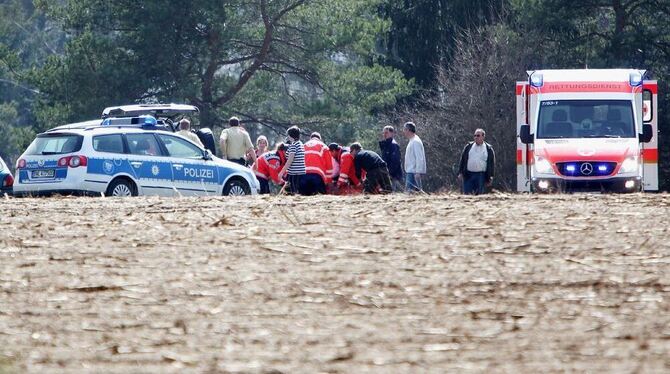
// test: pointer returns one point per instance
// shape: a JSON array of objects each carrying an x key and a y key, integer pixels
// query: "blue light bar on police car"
[{"x": 140, "y": 121}]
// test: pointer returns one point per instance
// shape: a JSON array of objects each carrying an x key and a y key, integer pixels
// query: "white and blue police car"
[{"x": 127, "y": 156}]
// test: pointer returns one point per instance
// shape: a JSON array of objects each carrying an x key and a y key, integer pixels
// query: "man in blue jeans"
[
  {"x": 415, "y": 159},
  {"x": 477, "y": 165}
]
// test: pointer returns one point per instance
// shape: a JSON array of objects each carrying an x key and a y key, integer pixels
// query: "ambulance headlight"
[
  {"x": 629, "y": 165},
  {"x": 543, "y": 166}
]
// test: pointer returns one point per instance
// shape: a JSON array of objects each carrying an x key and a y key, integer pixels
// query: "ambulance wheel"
[
  {"x": 121, "y": 188},
  {"x": 236, "y": 187}
]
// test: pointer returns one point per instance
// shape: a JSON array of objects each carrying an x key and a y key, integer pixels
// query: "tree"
[
  {"x": 276, "y": 63},
  {"x": 475, "y": 90},
  {"x": 423, "y": 32}
]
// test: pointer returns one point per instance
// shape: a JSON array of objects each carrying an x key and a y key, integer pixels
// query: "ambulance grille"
[{"x": 586, "y": 169}]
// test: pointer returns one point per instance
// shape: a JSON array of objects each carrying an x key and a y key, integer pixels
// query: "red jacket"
[
  {"x": 268, "y": 165},
  {"x": 347, "y": 170},
  {"x": 318, "y": 160}
]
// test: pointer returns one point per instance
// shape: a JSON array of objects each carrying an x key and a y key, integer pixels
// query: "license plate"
[{"x": 44, "y": 173}]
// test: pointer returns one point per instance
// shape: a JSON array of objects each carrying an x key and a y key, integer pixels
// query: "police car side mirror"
[
  {"x": 524, "y": 134},
  {"x": 647, "y": 133},
  {"x": 207, "y": 154}
]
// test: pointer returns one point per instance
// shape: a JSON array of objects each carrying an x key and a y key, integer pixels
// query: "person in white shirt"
[
  {"x": 415, "y": 159},
  {"x": 185, "y": 132},
  {"x": 477, "y": 165}
]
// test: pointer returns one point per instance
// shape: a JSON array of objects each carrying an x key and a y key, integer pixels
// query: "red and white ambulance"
[{"x": 587, "y": 130}]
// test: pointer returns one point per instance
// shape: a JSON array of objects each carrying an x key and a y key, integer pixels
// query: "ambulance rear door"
[
  {"x": 650, "y": 150},
  {"x": 523, "y": 161}
]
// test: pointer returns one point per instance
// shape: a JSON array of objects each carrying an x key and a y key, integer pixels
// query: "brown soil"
[{"x": 502, "y": 283}]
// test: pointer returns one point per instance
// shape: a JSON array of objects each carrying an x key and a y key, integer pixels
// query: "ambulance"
[{"x": 587, "y": 130}]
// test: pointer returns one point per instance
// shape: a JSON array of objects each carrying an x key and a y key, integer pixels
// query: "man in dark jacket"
[
  {"x": 377, "y": 178},
  {"x": 391, "y": 155},
  {"x": 477, "y": 165}
]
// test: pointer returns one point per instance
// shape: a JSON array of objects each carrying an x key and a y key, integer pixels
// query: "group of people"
[{"x": 316, "y": 168}]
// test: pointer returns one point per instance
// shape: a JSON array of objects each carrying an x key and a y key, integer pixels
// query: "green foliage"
[
  {"x": 274, "y": 63},
  {"x": 14, "y": 138},
  {"x": 423, "y": 32}
]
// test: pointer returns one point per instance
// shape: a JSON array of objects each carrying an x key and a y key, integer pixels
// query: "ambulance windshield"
[{"x": 586, "y": 119}]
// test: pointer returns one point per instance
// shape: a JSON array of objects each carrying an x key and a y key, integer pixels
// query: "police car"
[{"x": 126, "y": 156}]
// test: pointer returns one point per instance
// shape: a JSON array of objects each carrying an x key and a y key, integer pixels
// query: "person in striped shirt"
[{"x": 295, "y": 161}]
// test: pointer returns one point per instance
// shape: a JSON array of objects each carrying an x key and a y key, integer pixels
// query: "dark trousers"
[
  {"x": 378, "y": 177},
  {"x": 294, "y": 182},
  {"x": 473, "y": 183},
  {"x": 265, "y": 185},
  {"x": 312, "y": 184},
  {"x": 240, "y": 161}
]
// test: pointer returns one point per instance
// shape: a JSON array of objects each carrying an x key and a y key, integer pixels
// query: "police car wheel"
[
  {"x": 236, "y": 187},
  {"x": 121, "y": 188}
]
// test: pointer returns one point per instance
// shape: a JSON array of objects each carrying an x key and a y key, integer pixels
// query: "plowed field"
[{"x": 385, "y": 284}]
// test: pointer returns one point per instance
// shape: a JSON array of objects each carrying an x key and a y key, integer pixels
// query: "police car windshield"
[
  {"x": 586, "y": 119},
  {"x": 55, "y": 144}
]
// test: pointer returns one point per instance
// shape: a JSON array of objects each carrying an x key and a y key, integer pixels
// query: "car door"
[
  {"x": 150, "y": 165},
  {"x": 192, "y": 174}
]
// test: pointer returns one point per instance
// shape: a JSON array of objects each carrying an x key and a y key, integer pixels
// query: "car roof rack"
[
  {"x": 144, "y": 122},
  {"x": 157, "y": 110}
]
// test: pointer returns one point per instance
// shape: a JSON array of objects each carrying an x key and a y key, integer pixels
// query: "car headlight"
[
  {"x": 543, "y": 166},
  {"x": 629, "y": 165}
]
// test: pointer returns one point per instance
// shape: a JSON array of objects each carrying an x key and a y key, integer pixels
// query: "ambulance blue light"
[
  {"x": 636, "y": 79},
  {"x": 602, "y": 168},
  {"x": 571, "y": 168},
  {"x": 536, "y": 79}
]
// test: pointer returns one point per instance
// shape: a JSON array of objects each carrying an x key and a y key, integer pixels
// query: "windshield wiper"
[{"x": 51, "y": 153}]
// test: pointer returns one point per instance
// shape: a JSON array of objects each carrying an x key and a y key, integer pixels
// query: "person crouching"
[
  {"x": 267, "y": 167},
  {"x": 377, "y": 179}
]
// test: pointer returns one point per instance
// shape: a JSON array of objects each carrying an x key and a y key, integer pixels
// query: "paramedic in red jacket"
[
  {"x": 268, "y": 165},
  {"x": 347, "y": 182},
  {"x": 318, "y": 166}
]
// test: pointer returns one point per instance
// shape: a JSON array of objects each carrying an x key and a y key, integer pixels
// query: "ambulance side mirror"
[
  {"x": 524, "y": 134},
  {"x": 647, "y": 133},
  {"x": 207, "y": 154}
]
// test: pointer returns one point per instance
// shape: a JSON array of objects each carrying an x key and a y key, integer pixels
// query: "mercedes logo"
[{"x": 586, "y": 168}]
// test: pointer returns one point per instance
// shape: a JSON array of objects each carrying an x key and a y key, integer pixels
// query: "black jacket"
[
  {"x": 368, "y": 161},
  {"x": 391, "y": 155},
  {"x": 490, "y": 161}
]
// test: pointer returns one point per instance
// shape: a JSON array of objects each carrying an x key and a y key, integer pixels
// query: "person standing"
[
  {"x": 261, "y": 145},
  {"x": 477, "y": 165},
  {"x": 391, "y": 155},
  {"x": 377, "y": 178},
  {"x": 295, "y": 161},
  {"x": 236, "y": 144},
  {"x": 415, "y": 159},
  {"x": 185, "y": 132}
]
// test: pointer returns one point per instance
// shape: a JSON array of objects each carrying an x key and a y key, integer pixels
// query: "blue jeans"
[
  {"x": 473, "y": 183},
  {"x": 411, "y": 183}
]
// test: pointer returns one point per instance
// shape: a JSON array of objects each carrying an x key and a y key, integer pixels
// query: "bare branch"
[{"x": 247, "y": 73}]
